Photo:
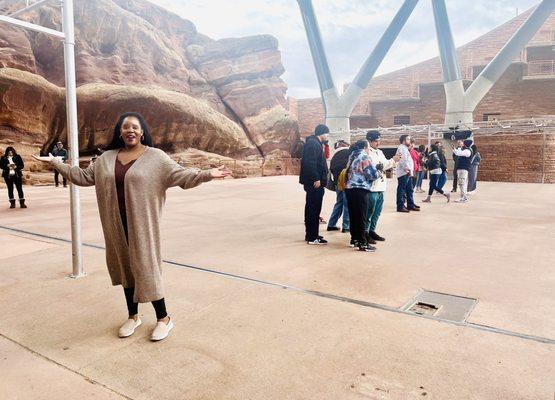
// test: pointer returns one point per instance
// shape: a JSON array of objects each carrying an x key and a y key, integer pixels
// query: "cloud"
[{"x": 350, "y": 29}]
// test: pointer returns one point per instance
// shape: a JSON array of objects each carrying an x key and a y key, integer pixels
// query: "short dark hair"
[
  {"x": 422, "y": 148},
  {"x": 321, "y": 130},
  {"x": 434, "y": 146},
  {"x": 360, "y": 145},
  {"x": 403, "y": 138},
  {"x": 117, "y": 141},
  {"x": 8, "y": 149}
]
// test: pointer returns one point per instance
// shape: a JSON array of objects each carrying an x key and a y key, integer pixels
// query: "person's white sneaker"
[
  {"x": 128, "y": 328},
  {"x": 463, "y": 200},
  {"x": 161, "y": 330}
]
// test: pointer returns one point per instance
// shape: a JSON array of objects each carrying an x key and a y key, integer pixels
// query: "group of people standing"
[{"x": 357, "y": 175}]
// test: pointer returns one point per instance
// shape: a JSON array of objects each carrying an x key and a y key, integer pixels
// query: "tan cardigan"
[{"x": 138, "y": 264}]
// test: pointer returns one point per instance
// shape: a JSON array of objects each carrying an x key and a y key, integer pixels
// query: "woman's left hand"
[{"x": 220, "y": 172}]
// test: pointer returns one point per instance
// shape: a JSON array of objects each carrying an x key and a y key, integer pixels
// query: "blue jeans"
[
  {"x": 404, "y": 188},
  {"x": 419, "y": 179},
  {"x": 375, "y": 206},
  {"x": 340, "y": 208},
  {"x": 434, "y": 179},
  {"x": 442, "y": 180}
]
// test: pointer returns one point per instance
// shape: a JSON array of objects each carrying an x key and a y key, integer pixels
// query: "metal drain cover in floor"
[{"x": 441, "y": 305}]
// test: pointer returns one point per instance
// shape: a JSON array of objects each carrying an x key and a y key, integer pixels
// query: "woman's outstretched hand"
[
  {"x": 47, "y": 158},
  {"x": 220, "y": 172}
]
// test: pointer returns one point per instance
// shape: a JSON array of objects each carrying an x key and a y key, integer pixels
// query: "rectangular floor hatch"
[{"x": 441, "y": 305}]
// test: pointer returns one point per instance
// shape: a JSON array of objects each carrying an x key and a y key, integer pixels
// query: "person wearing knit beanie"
[{"x": 313, "y": 176}]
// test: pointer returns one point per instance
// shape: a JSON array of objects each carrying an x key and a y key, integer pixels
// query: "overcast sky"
[{"x": 350, "y": 29}]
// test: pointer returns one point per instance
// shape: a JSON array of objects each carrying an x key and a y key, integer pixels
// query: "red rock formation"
[
  {"x": 33, "y": 106},
  {"x": 136, "y": 43}
]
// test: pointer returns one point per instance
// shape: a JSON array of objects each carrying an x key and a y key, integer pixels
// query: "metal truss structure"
[{"x": 460, "y": 103}]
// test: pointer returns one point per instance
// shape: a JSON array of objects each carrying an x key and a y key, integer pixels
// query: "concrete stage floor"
[{"x": 250, "y": 339}]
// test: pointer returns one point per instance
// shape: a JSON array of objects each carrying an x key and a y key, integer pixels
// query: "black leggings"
[
  {"x": 133, "y": 308},
  {"x": 10, "y": 182}
]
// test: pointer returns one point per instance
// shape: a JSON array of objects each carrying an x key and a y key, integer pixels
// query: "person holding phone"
[
  {"x": 464, "y": 157},
  {"x": 12, "y": 165}
]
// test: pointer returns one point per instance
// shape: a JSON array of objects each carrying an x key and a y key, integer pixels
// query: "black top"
[
  {"x": 313, "y": 163},
  {"x": 120, "y": 172},
  {"x": 442, "y": 160},
  {"x": 5, "y": 166},
  {"x": 433, "y": 161},
  {"x": 339, "y": 162},
  {"x": 60, "y": 153},
  {"x": 464, "y": 162}
]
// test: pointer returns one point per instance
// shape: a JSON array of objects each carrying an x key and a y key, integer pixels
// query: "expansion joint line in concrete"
[
  {"x": 330, "y": 296},
  {"x": 48, "y": 359}
]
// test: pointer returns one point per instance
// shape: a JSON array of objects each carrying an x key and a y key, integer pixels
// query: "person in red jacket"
[{"x": 415, "y": 155}]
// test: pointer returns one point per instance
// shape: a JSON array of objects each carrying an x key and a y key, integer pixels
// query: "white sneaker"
[
  {"x": 128, "y": 328},
  {"x": 161, "y": 331},
  {"x": 463, "y": 200}
]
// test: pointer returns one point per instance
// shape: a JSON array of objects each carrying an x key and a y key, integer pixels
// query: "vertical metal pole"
[
  {"x": 544, "y": 143},
  {"x": 71, "y": 109}
]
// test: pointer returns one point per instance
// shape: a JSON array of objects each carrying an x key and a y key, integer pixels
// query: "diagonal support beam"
[
  {"x": 452, "y": 80},
  {"x": 325, "y": 80},
  {"x": 339, "y": 108},
  {"x": 493, "y": 71},
  {"x": 28, "y": 8},
  {"x": 447, "y": 50},
  {"x": 460, "y": 104},
  {"x": 33, "y": 27}
]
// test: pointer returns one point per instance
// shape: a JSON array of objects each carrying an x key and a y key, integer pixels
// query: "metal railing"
[
  {"x": 541, "y": 68},
  {"x": 481, "y": 128}
]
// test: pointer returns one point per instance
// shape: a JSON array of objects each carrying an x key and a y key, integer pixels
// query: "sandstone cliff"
[{"x": 224, "y": 96}]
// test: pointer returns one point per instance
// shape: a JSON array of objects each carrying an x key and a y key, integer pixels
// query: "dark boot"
[
  {"x": 369, "y": 238},
  {"x": 377, "y": 237},
  {"x": 21, "y": 203},
  {"x": 12, "y": 203}
]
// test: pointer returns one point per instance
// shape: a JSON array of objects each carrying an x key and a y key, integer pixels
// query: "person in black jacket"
[
  {"x": 443, "y": 163},
  {"x": 11, "y": 164},
  {"x": 338, "y": 164},
  {"x": 59, "y": 151},
  {"x": 313, "y": 177},
  {"x": 434, "y": 168}
]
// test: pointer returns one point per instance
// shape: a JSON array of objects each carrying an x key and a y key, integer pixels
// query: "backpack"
[{"x": 344, "y": 176}]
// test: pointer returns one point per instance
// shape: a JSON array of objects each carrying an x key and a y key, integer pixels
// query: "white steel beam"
[
  {"x": 33, "y": 27},
  {"x": 339, "y": 108},
  {"x": 460, "y": 104},
  {"x": 496, "y": 67},
  {"x": 28, "y": 8}
]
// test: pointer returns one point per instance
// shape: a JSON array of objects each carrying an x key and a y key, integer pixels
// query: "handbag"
[{"x": 343, "y": 177}]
